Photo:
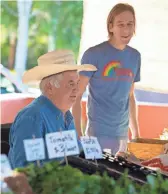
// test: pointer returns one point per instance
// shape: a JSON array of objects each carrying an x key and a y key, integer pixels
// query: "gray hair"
[{"x": 53, "y": 80}]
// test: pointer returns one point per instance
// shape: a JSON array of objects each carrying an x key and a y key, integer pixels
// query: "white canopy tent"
[{"x": 151, "y": 37}]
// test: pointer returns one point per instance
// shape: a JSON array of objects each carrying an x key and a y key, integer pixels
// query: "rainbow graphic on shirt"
[{"x": 110, "y": 68}]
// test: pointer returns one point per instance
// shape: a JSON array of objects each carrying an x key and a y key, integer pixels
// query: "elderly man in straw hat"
[{"x": 58, "y": 77}]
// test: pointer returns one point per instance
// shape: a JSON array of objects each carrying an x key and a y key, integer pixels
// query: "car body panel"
[
  {"x": 11, "y": 104},
  {"x": 152, "y": 106}
]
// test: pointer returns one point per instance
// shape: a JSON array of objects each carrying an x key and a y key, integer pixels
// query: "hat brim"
[{"x": 37, "y": 73}]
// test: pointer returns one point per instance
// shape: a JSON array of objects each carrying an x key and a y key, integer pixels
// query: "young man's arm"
[
  {"x": 88, "y": 57},
  {"x": 76, "y": 109},
  {"x": 133, "y": 108},
  {"x": 134, "y": 126}
]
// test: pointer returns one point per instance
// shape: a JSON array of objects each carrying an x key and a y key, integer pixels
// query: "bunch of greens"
[{"x": 55, "y": 179}]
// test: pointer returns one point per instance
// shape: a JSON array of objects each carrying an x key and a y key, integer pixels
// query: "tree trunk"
[
  {"x": 52, "y": 35},
  {"x": 24, "y": 7},
  {"x": 12, "y": 50},
  {"x": 53, "y": 32},
  {"x": 51, "y": 42}
]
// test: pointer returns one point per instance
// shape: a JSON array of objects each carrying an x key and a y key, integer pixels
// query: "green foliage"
[
  {"x": 61, "y": 19},
  {"x": 9, "y": 14},
  {"x": 55, "y": 179},
  {"x": 9, "y": 21}
]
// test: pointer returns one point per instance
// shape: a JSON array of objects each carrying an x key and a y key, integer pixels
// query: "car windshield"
[{"x": 6, "y": 86}]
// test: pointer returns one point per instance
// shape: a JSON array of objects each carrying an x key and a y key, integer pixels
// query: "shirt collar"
[{"x": 43, "y": 99}]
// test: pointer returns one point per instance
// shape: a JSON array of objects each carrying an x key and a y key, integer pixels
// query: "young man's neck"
[{"x": 116, "y": 45}]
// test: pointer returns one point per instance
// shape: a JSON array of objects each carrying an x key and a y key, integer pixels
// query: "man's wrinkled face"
[
  {"x": 123, "y": 27},
  {"x": 67, "y": 92}
]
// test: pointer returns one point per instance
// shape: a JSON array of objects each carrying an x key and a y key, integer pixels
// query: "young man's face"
[{"x": 123, "y": 27}]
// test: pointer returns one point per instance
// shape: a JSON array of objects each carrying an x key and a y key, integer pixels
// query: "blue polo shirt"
[
  {"x": 109, "y": 89},
  {"x": 38, "y": 118}
]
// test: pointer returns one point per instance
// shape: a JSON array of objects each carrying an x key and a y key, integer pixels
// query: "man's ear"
[
  {"x": 49, "y": 88},
  {"x": 110, "y": 27}
]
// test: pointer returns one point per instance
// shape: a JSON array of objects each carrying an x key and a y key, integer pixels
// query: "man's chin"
[
  {"x": 125, "y": 41},
  {"x": 72, "y": 101}
]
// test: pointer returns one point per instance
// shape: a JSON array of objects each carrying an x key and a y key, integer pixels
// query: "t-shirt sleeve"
[
  {"x": 88, "y": 58},
  {"x": 138, "y": 73}
]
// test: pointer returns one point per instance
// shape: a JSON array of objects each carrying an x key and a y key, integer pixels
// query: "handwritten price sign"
[
  {"x": 6, "y": 169},
  {"x": 63, "y": 143},
  {"x": 91, "y": 147},
  {"x": 34, "y": 149}
]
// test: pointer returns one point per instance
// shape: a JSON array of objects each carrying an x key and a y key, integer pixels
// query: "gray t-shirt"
[{"x": 109, "y": 88}]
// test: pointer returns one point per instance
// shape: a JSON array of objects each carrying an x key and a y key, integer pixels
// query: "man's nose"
[
  {"x": 126, "y": 30},
  {"x": 76, "y": 88}
]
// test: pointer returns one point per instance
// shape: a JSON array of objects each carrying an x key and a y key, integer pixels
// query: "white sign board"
[
  {"x": 34, "y": 149},
  {"x": 91, "y": 147},
  {"x": 62, "y": 143},
  {"x": 6, "y": 169}
]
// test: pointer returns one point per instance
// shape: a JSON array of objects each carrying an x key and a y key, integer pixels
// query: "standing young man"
[{"x": 111, "y": 101}]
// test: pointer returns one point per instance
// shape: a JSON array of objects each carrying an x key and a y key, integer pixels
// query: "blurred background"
[{"x": 30, "y": 28}]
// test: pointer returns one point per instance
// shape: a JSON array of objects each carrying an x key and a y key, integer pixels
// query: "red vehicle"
[
  {"x": 153, "y": 108},
  {"x": 14, "y": 96}
]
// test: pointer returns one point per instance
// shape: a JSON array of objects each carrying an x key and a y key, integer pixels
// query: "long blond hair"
[{"x": 116, "y": 10}]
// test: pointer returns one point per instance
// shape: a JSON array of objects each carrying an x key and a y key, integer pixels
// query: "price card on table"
[
  {"x": 62, "y": 143},
  {"x": 6, "y": 169},
  {"x": 91, "y": 147},
  {"x": 34, "y": 149}
]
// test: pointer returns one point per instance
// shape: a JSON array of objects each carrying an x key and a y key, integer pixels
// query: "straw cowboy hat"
[{"x": 52, "y": 63}]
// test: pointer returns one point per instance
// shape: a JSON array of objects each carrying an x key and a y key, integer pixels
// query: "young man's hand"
[{"x": 135, "y": 134}]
